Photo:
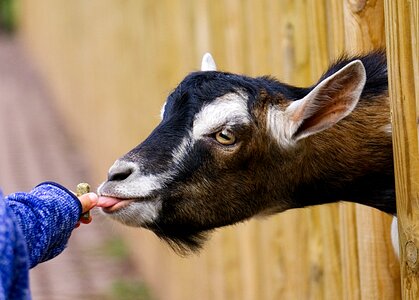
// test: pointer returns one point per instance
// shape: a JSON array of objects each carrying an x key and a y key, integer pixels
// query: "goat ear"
[
  {"x": 330, "y": 101},
  {"x": 208, "y": 63}
]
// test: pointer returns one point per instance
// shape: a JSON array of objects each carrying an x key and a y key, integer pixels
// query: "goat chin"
[{"x": 131, "y": 212}]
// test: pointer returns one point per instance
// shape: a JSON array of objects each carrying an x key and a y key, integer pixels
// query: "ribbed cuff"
[{"x": 66, "y": 193}]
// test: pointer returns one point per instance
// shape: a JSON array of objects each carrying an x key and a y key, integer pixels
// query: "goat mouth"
[{"x": 112, "y": 204}]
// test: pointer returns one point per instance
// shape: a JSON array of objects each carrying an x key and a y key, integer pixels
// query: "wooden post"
[
  {"x": 402, "y": 52},
  {"x": 376, "y": 276}
]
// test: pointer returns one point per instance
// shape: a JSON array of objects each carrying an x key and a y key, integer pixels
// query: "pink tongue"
[{"x": 107, "y": 201}]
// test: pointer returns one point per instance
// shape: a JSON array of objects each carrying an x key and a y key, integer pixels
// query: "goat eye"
[{"x": 225, "y": 137}]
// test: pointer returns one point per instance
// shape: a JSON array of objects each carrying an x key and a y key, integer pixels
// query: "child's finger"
[{"x": 88, "y": 201}]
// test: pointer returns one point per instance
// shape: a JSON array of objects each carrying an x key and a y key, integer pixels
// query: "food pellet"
[{"x": 83, "y": 188}]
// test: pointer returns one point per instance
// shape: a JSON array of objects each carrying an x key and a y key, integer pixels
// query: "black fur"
[
  {"x": 200, "y": 87},
  {"x": 375, "y": 64}
]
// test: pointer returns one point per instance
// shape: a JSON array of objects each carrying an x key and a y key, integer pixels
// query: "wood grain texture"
[
  {"x": 377, "y": 278},
  {"x": 402, "y": 51}
]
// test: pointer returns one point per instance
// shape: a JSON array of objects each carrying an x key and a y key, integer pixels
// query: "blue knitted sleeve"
[
  {"x": 47, "y": 216},
  {"x": 14, "y": 265}
]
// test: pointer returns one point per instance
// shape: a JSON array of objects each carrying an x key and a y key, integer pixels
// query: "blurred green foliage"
[
  {"x": 8, "y": 15},
  {"x": 124, "y": 287},
  {"x": 116, "y": 248},
  {"x": 129, "y": 290}
]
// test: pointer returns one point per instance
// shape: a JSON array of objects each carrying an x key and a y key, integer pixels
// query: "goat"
[{"x": 230, "y": 147}]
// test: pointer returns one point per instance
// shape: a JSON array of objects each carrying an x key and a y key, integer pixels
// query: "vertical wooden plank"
[
  {"x": 378, "y": 268},
  {"x": 286, "y": 272},
  {"x": 202, "y": 28},
  {"x": 256, "y": 43},
  {"x": 325, "y": 247},
  {"x": 364, "y": 25},
  {"x": 402, "y": 36},
  {"x": 364, "y": 31},
  {"x": 317, "y": 24},
  {"x": 235, "y": 37},
  {"x": 256, "y": 36},
  {"x": 414, "y": 25},
  {"x": 351, "y": 288},
  {"x": 336, "y": 28}
]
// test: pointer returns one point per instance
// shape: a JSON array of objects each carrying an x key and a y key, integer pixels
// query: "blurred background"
[{"x": 82, "y": 82}]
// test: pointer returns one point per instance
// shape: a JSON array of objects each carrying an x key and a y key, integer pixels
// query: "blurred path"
[{"x": 34, "y": 148}]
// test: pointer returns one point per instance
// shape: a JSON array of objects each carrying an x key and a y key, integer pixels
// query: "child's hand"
[{"x": 88, "y": 201}]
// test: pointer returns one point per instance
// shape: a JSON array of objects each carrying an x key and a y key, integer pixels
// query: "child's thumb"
[{"x": 88, "y": 201}]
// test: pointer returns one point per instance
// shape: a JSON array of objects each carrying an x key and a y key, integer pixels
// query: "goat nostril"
[{"x": 120, "y": 175}]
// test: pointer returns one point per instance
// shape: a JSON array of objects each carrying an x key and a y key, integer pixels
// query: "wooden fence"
[
  {"x": 111, "y": 63},
  {"x": 402, "y": 28}
]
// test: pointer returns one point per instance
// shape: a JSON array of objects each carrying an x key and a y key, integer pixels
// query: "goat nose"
[{"x": 120, "y": 171}]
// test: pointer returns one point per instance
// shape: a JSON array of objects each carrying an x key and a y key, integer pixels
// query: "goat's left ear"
[{"x": 330, "y": 101}]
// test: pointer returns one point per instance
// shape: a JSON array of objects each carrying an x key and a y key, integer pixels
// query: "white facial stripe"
[
  {"x": 136, "y": 185},
  {"x": 226, "y": 110},
  {"x": 143, "y": 186},
  {"x": 182, "y": 150},
  {"x": 229, "y": 109}
]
